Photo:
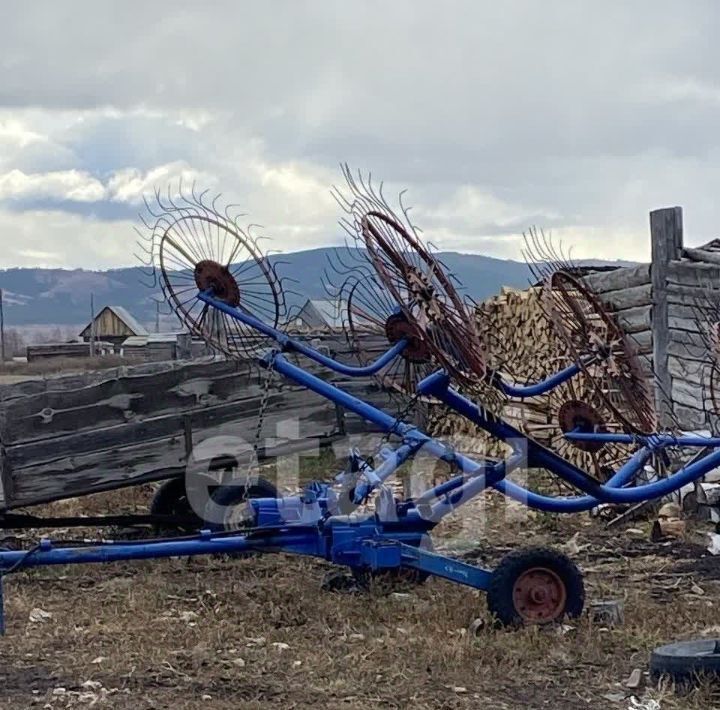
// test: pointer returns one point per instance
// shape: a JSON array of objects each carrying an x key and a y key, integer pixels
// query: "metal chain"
[
  {"x": 262, "y": 410},
  {"x": 400, "y": 416}
]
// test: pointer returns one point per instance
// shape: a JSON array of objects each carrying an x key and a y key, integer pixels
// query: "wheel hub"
[
  {"x": 397, "y": 328},
  {"x": 214, "y": 277},
  {"x": 539, "y": 595},
  {"x": 578, "y": 416}
]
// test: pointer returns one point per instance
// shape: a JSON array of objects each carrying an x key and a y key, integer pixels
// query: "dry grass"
[{"x": 258, "y": 632}]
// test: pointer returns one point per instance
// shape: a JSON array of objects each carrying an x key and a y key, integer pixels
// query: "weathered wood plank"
[
  {"x": 125, "y": 400},
  {"x": 603, "y": 281},
  {"x": 688, "y": 394},
  {"x": 683, "y": 368},
  {"x": 635, "y": 320},
  {"x": 128, "y": 399},
  {"x": 631, "y": 297},
  {"x": 98, "y": 478},
  {"x": 688, "y": 337},
  {"x": 693, "y": 274},
  {"x": 690, "y": 417},
  {"x": 686, "y": 311},
  {"x": 688, "y": 325},
  {"x": 701, "y": 255},
  {"x": 696, "y": 352},
  {"x": 78, "y": 474},
  {"x": 242, "y": 412},
  {"x": 642, "y": 341}
]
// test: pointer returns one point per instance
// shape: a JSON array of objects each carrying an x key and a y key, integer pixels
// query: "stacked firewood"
[{"x": 523, "y": 346}]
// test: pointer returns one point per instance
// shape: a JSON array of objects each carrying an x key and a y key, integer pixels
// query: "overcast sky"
[{"x": 574, "y": 116}]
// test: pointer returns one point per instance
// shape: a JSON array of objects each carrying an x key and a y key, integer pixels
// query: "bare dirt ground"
[{"x": 259, "y": 632}]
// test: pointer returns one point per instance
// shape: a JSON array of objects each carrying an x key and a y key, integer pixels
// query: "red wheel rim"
[
  {"x": 372, "y": 309},
  {"x": 539, "y": 596}
]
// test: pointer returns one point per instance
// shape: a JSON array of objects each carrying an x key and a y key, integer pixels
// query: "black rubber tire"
[
  {"x": 686, "y": 660},
  {"x": 500, "y": 592},
  {"x": 229, "y": 495},
  {"x": 171, "y": 500}
]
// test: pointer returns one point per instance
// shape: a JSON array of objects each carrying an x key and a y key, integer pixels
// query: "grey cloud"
[{"x": 579, "y": 116}]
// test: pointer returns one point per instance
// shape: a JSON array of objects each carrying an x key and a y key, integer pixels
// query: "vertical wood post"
[{"x": 666, "y": 233}]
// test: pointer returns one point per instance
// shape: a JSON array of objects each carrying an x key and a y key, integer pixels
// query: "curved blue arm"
[
  {"x": 537, "y": 388},
  {"x": 288, "y": 343},
  {"x": 573, "y": 504},
  {"x": 351, "y": 370},
  {"x": 610, "y": 492},
  {"x": 543, "y": 386}
]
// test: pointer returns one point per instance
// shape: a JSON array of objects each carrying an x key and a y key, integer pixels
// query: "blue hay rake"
[{"x": 386, "y": 538}]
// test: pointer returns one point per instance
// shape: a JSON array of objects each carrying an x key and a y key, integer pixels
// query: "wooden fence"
[{"x": 658, "y": 306}]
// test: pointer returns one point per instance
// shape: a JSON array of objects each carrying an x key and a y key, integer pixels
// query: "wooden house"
[
  {"x": 317, "y": 315},
  {"x": 113, "y": 324},
  {"x": 158, "y": 347}
]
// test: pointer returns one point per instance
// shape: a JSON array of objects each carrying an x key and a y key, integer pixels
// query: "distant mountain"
[{"x": 61, "y": 297}]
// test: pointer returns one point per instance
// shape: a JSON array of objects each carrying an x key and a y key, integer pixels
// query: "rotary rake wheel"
[
  {"x": 428, "y": 298},
  {"x": 198, "y": 248},
  {"x": 702, "y": 363},
  {"x": 415, "y": 279},
  {"x": 371, "y": 311},
  {"x": 576, "y": 406},
  {"x": 572, "y": 406},
  {"x": 522, "y": 347},
  {"x": 588, "y": 330}
]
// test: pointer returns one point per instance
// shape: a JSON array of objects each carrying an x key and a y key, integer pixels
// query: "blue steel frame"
[{"x": 397, "y": 533}]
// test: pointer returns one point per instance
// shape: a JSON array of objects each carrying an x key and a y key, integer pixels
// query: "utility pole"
[
  {"x": 157, "y": 316},
  {"x": 2, "y": 328},
  {"x": 92, "y": 325}
]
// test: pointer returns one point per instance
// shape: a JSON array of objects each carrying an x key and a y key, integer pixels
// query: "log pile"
[{"x": 522, "y": 344}]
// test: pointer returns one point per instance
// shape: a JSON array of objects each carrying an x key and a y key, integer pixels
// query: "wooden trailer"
[{"x": 77, "y": 434}]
